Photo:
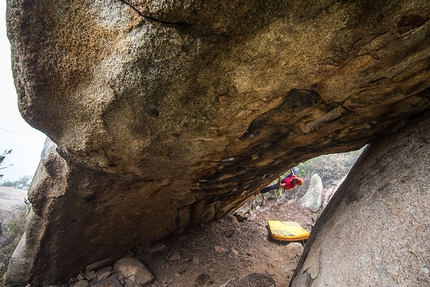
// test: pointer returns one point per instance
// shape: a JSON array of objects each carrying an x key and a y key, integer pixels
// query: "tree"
[
  {"x": 22, "y": 183},
  {"x": 2, "y": 157},
  {"x": 330, "y": 168}
]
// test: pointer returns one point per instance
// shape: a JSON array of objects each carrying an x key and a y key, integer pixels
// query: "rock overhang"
[{"x": 155, "y": 105}]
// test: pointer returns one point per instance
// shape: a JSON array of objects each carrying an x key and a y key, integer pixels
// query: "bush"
[
  {"x": 10, "y": 234},
  {"x": 331, "y": 168},
  {"x": 22, "y": 183}
]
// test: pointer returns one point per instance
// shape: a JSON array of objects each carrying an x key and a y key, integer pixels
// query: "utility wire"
[{"x": 21, "y": 134}]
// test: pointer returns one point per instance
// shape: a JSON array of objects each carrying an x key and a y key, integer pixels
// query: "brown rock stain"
[{"x": 81, "y": 44}]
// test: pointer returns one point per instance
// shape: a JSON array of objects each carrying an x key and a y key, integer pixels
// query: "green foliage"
[
  {"x": 2, "y": 158},
  {"x": 10, "y": 234},
  {"x": 22, "y": 183},
  {"x": 330, "y": 168}
]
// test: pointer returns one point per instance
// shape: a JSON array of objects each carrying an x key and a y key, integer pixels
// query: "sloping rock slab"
[{"x": 375, "y": 231}]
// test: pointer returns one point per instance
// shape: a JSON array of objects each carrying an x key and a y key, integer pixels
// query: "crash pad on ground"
[{"x": 287, "y": 230}]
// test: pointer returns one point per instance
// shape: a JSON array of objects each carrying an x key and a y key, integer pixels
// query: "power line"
[{"x": 21, "y": 134}]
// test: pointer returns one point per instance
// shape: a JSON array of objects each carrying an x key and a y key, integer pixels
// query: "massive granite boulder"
[
  {"x": 375, "y": 231},
  {"x": 162, "y": 114}
]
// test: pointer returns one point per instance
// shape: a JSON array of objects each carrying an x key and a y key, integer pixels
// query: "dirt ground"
[{"x": 211, "y": 254}]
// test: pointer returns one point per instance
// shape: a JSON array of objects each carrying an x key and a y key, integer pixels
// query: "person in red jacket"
[{"x": 290, "y": 182}]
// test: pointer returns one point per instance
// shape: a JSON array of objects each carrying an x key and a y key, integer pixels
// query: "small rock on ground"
[{"x": 134, "y": 270}]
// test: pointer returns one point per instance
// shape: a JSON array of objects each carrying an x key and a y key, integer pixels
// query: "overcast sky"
[{"x": 25, "y": 142}]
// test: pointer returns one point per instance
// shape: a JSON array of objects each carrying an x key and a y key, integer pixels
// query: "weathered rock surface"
[
  {"x": 375, "y": 231},
  {"x": 168, "y": 114},
  {"x": 313, "y": 197}
]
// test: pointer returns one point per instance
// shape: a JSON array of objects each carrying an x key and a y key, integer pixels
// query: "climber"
[{"x": 290, "y": 182}]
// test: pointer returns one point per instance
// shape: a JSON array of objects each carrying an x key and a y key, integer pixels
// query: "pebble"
[
  {"x": 91, "y": 275},
  {"x": 252, "y": 217},
  {"x": 157, "y": 248},
  {"x": 220, "y": 249},
  {"x": 98, "y": 265},
  {"x": 80, "y": 276},
  {"x": 81, "y": 283},
  {"x": 175, "y": 256},
  {"x": 103, "y": 273}
]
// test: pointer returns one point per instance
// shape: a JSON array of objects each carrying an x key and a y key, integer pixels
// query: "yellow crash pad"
[{"x": 287, "y": 231}]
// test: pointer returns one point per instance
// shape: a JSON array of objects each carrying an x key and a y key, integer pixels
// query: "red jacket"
[{"x": 288, "y": 183}]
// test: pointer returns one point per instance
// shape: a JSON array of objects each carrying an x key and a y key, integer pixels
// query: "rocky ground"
[
  {"x": 212, "y": 254},
  {"x": 209, "y": 254},
  {"x": 11, "y": 202}
]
